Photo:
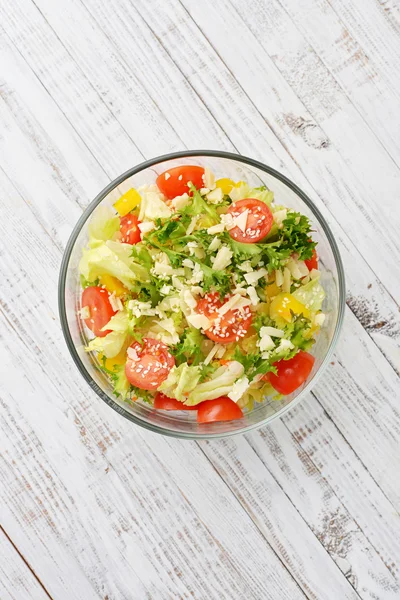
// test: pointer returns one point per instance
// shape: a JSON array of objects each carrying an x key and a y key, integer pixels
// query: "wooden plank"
[
  {"x": 328, "y": 452},
  {"x": 361, "y": 396},
  {"x": 82, "y": 502},
  {"x": 374, "y": 25},
  {"x": 271, "y": 473},
  {"x": 310, "y": 38},
  {"x": 17, "y": 581}
]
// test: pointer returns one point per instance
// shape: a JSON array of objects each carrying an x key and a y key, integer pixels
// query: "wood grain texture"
[
  {"x": 307, "y": 508},
  {"x": 17, "y": 581}
]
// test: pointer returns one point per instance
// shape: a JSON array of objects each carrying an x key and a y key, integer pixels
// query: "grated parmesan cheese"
[
  {"x": 251, "y": 291},
  {"x": 223, "y": 258},
  {"x": 209, "y": 178},
  {"x": 199, "y": 321},
  {"x": 239, "y": 388},
  {"x": 253, "y": 277},
  {"x": 279, "y": 277},
  {"x": 285, "y": 345},
  {"x": 215, "y": 244},
  {"x": 211, "y": 354},
  {"x": 192, "y": 225},
  {"x": 180, "y": 202},
  {"x": 266, "y": 343},
  {"x": 115, "y": 302},
  {"x": 215, "y": 196},
  {"x": 228, "y": 222},
  {"x": 216, "y": 228},
  {"x": 235, "y": 302},
  {"x": 241, "y": 220},
  {"x": 272, "y": 331},
  {"x": 146, "y": 226}
]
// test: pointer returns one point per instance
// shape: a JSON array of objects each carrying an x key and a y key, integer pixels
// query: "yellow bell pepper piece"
[
  {"x": 113, "y": 285},
  {"x": 118, "y": 360},
  {"x": 225, "y": 184},
  {"x": 128, "y": 202},
  {"x": 239, "y": 183},
  {"x": 272, "y": 289},
  {"x": 284, "y": 304}
]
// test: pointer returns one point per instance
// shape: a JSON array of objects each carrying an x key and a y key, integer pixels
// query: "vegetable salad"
[{"x": 201, "y": 294}]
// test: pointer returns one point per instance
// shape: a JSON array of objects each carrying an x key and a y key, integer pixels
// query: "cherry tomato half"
[
  {"x": 291, "y": 373},
  {"x": 312, "y": 263},
  {"x": 152, "y": 366},
  {"x": 174, "y": 181},
  {"x": 96, "y": 299},
  {"x": 258, "y": 224},
  {"x": 130, "y": 232},
  {"x": 221, "y": 409},
  {"x": 162, "y": 402},
  {"x": 226, "y": 328}
]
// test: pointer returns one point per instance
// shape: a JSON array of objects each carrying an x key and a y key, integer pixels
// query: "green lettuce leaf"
[
  {"x": 112, "y": 258},
  {"x": 219, "y": 384},
  {"x": 180, "y": 382},
  {"x": 152, "y": 207},
  {"x": 296, "y": 235},
  {"x": 111, "y": 344},
  {"x": 103, "y": 225},
  {"x": 189, "y": 347},
  {"x": 121, "y": 384},
  {"x": 263, "y": 194},
  {"x": 200, "y": 208},
  {"x": 311, "y": 294}
]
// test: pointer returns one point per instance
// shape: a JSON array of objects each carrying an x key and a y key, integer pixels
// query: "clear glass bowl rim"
[{"x": 100, "y": 197}]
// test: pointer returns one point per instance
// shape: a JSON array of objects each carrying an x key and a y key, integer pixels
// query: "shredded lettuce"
[
  {"x": 103, "y": 225},
  {"x": 189, "y": 347},
  {"x": 311, "y": 294},
  {"x": 111, "y": 344},
  {"x": 180, "y": 382},
  {"x": 112, "y": 258},
  {"x": 207, "y": 213},
  {"x": 263, "y": 194},
  {"x": 153, "y": 206},
  {"x": 219, "y": 384},
  {"x": 121, "y": 384},
  {"x": 245, "y": 191}
]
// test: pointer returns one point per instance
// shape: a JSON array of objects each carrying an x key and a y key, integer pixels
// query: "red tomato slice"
[
  {"x": 152, "y": 366},
  {"x": 259, "y": 220},
  {"x": 174, "y": 181},
  {"x": 101, "y": 311},
  {"x": 291, "y": 373},
  {"x": 312, "y": 263},
  {"x": 221, "y": 409},
  {"x": 164, "y": 403},
  {"x": 130, "y": 232},
  {"x": 229, "y": 327}
]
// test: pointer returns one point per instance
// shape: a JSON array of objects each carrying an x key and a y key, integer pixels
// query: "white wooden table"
[{"x": 93, "y": 507}]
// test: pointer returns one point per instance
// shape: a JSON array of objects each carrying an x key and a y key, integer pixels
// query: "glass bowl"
[{"x": 183, "y": 423}]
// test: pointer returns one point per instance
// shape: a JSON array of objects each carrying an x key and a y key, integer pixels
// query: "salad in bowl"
[{"x": 201, "y": 293}]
